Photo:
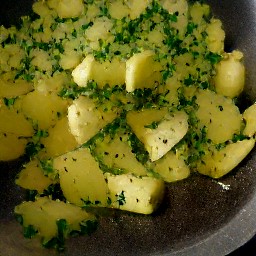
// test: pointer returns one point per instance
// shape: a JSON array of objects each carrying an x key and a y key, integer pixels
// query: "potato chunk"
[
  {"x": 216, "y": 163},
  {"x": 249, "y": 116},
  {"x": 171, "y": 168},
  {"x": 32, "y": 177},
  {"x": 69, "y": 9},
  {"x": 86, "y": 118},
  {"x": 12, "y": 89},
  {"x": 142, "y": 71},
  {"x": 11, "y": 146},
  {"x": 219, "y": 115},
  {"x": 230, "y": 75},
  {"x": 81, "y": 179},
  {"x": 14, "y": 122},
  {"x": 130, "y": 193},
  {"x": 158, "y": 130},
  {"x": 117, "y": 154},
  {"x": 44, "y": 213},
  {"x": 44, "y": 108},
  {"x": 59, "y": 140},
  {"x": 111, "y": 73}
]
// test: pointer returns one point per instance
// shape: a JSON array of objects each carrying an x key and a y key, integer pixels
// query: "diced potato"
[
  {"x": 32, "y": 177},
  {"x": 59, "y": 140},
  {"x": 116, "y": 153},
  {"x": 44, "y": 108},
  {"x": 40, "y": 8},
  {"x": 44, "y": 213},
  {"x": 69, "y": 60},
  {"x": 216, "y": 36},
  {"x": 142, "y": 71},
  {"x": 137, "y": 7},
  {"x": 130, "y": 193},
  {"x": 14, "y": 122},
  {"x": 158, "y": 130},
  {"x": 41, "y": 59},
  {"x": 84, "y": 71},
  {"x": 11, "y": 146},
  {"x": 69, "y": 8},
  {"x": 99, "y": 30},
  {"x": 173, "y": 6},
  {"x": 171, "y": 167},
  {"x": 230, "y": 75},
  {"x": 53, "y": 83},
  {"x": 198, "y": 11},
  {"x": 111, "y": 73},
  {"x": 118, "y": 9},
  {"x": 81, "y": 179},
  {"x": 216, "y": 163},
  {"x": 249, "y": 116},
  {"x": 12, "y": 89},
  {"x": 219, "y": 115},
  {"x": 86, "y": 119}
]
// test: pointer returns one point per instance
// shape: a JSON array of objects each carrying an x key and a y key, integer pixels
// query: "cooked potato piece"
[
  {"x": 171, "y": 167},
  {"x": 216, "y": 36},
  {"x": 59, "y": 140},
  {"x": 44, "y": 213},
  {"x": 52, "y": 84},
  {"x": 44, "y": 108},
  {"x": 249, "y": 116},
  {"x": 216, "y": 163},
  {"x": 118, "y": 9},
  {"x": 142, "y": 71},
  {"x": 86, "y": 119},
  {"x": 137, "y": 7},
  {"x": 32, "y": 177},
  {"x": 14, "y": 122},
  {"x": 219, "y": 115},
  {"x": 69, "y": 9},
  {"x": 199, "y": 11},
  {"x": 12, "y": 89},
  {"x": 11, "y": 146},
  {"x": 230, "y": 75},
  {"x": 81, "y": 179},
  {"x": 84, "y": 71},
  {"x": 158, "y": 130},
  {"x": 111, "y": 73},
  {"x": 135, "y": 194},
  {"x": 116, "y": 153}
]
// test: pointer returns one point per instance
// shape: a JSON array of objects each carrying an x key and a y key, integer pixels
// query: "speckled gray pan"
[{"x": 198, "y": 217}]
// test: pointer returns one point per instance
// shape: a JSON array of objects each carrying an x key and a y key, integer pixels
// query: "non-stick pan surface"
[{"x": 198, "y": 217}]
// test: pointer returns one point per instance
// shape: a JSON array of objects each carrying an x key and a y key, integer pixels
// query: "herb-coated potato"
[
  {"x": 44, "y": 108},
  {"x": 14, "y": 122},
  {"x": 135, "y": 194},
  {"x": 142, "y": 71},
  {"x": 11, "y": 146},
  {"x": 230, "y": 75},
  {"x": 44, "y": 213},
  {"x": 249, "y": 116},
  {"x": 86, "y": 118},
  {"x": 219, "y": 115},
  {"x": 158, "y": 130},
  {"x": 10, "y": 89},
  {"x": 218, "y": 162},
  {"x": 32, "y": 177},
  {"x": 117, "y": 154},
  {"x": 81, "y": 179},
  {"x": 171, "y": 167},
  {"x": 59, "y": 140}
]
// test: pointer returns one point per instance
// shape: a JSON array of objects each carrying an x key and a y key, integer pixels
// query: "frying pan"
[{"x": 199, "y": 216}]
